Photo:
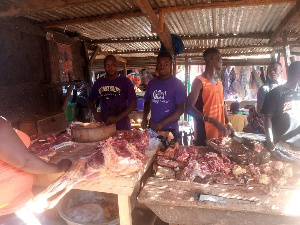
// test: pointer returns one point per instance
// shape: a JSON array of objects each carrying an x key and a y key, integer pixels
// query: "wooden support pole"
[
  {"x": 186, "y": 80},
  {"x": 68, "y": 95},
  {"x": 91, "y": 61},
  {"x": 175, "y": 67},
  {"x": 286, "y": 52},
  {"x": 124, "y": 210},
  {"x": 125, "y": 69},
  {"x": 161, "y": 22}
]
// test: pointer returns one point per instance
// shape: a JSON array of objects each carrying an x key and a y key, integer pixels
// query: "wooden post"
[
  {"x": 286, "y": 52},
  {"x": 125, "y": 69},
  {"x": 175, "y": 67},
  {"x": 124, "y": 210},
  {"x": 186, "y": 80}
]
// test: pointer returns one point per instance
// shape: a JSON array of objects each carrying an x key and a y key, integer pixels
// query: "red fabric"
[{"x": 15, "y": 184}]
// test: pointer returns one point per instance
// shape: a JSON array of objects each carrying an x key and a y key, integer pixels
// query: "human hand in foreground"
[
  {"x": 112, "y": 120},
  {"x": 156, "y": 126},
  {"x": 231, "y": 129},
  {"x": 64, "y": 165},
  {"x": 223, "y": 130},
  {"x": 98, "y": 116}
]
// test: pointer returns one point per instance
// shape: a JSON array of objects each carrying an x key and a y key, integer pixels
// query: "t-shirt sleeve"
[
  {"x": 130, "y": 90},
  {"x": 147, "y": 96},
  {"x": 180, "y": 95},
  {"x": 94, "y": 92},
  {"x": 261, "y": 94},
  {"x": 271, "y": 102}
]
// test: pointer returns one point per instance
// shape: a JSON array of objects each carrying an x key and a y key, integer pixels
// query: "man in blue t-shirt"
[
  {"x": 115, "y": 93},
  {"x": 165, "y": 96}
]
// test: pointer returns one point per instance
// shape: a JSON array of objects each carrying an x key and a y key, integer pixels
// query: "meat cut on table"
[{"x": 114, "y": 157}]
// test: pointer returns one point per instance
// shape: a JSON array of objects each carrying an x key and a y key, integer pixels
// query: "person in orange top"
[
  {"x": 239, "y": 121},
  {"x": 206, "y": 101},
  {"x": 17, "y": 166}
]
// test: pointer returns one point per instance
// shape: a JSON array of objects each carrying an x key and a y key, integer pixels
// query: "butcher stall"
[
  {"x": 213, "y": 185},
  {"x": 117, "y": 165}
]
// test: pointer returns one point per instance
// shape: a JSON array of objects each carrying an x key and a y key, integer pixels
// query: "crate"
[{"x": 44, "y": 124}]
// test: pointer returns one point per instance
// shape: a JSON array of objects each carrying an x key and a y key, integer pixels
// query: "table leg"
[{"x": 124, "y": 210}]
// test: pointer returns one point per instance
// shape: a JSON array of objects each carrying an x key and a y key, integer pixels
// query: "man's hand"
[
  {"x": 112, "y": 120},
  {"x": 144, "y": 123},
  {"x": 64, "y": 164},
  {"x": 231, "y": 129},
  {"x": 156, "y": 126},
  {"x": 223, "y": 130},
  {"x": 98, "y": 116}
]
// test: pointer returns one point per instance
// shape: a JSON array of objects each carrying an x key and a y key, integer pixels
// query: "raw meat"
[
  {"x": 244, "y": 154},
  {"x": 114, "y": 157}
]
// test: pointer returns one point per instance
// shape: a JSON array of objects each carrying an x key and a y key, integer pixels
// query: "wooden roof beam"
[
  {"x": 193, "y": 37},
  {"x": 290, "y": 17},
  {"x": 23, "y": 7},
  {"x": 226, "y": 4},
  {"x": 164, "y": 35}
]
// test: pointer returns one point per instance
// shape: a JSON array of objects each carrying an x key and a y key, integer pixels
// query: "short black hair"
[
  {"x": 234, "y": 107},
  {"x": 110, "y": 57},
  {"x": 274, "y": 63},
  {"x": 209, "y": 51},
  {"x": 294, "y": 69},
  {"x": 164, "y": 55}
]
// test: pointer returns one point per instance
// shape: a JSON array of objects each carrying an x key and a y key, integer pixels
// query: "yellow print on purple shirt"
[{"x": 109, "y": 91}]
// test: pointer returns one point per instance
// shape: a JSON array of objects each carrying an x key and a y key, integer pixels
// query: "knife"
[{"x": 237, "y": 138}]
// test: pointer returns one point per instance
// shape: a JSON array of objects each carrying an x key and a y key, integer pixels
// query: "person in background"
[
  {"x": 239, "y": 121},
  {"x": 206, "y": 102},
  {"x": 116, "y": 95},
  {"x": 165, "y": 96},
  {"x": 256, "y": 121},
  {"x": 281, "y": 110},
  {"x": 17, "y": 166},
  {"x": 274, "y": 73}
]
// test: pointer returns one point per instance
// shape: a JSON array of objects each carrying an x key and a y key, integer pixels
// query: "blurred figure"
[
  {"x": 281, "y": 110},
  {"x": 238, "y": 121},
  {"x": 274, "y": 73},
  {"x": 256, "y": 121}
]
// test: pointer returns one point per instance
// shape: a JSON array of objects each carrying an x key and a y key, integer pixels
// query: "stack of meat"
[
  {"x": 113, "y": 157},
  {"x": 208, "y": 167}
]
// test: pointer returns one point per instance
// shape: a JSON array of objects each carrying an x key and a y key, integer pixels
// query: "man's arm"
[
  {"x": 15, "y": 153},
  {"x": 179, "y": 110},
  {"x": 192, "y": 110},
  {"x": 97, "y": 115},
  {"x": 126, "y": 112},
  {"x": 269, "y": 132},
  {"x": 147, "y": 107}
]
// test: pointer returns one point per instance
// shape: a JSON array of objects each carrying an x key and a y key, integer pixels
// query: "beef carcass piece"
[
  {"x": 251, "y": 153},
  {"x": 114, "y": 157},
  {"x": 138, "y": 138}
]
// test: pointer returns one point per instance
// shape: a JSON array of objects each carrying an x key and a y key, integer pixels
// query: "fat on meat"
[{"x": 115, "y": 156}]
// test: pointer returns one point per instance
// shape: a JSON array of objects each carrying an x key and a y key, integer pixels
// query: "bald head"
[{"x": 213, "y": 58}]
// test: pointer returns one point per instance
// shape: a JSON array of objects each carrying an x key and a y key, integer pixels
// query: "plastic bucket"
[
  {"x": 70, "y": 111},
  {"x": 140, "y": 104}
]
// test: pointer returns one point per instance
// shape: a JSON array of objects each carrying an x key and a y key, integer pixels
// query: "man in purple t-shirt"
[
  {"x": 115, "y": 93},
  {"x": 165, "y": 96}
]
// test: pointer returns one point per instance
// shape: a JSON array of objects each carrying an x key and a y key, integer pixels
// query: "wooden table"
[
  {"x": 177, "y": 202},
  {"x": 123, "y": 186}
]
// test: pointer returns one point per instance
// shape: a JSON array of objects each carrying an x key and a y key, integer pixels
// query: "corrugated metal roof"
[{"x": 216, "y": 21}]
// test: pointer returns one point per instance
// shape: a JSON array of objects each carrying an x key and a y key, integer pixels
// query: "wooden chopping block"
[{"x": 89, "y": 133}]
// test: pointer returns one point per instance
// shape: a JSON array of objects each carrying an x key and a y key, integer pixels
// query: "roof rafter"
[
  {"x": 204, "y": 37},
  {"x": 226, "y": 4},
  {"x": 164, "y": 35},
  {"x": 22, "y": 7},
  {"x": 290, "y": 17}
]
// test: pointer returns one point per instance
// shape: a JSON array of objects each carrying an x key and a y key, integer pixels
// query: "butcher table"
[
  {"x": 177, "y": 202},
  {"x": 123, "y": 186}
]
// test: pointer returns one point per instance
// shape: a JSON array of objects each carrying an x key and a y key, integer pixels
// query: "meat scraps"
[
  {"x": 248, "y": 152},
  {"x": 114, "y": 156}
]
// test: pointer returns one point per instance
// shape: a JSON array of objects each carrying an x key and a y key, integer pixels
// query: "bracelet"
[{"x": 206, "y": 118}]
